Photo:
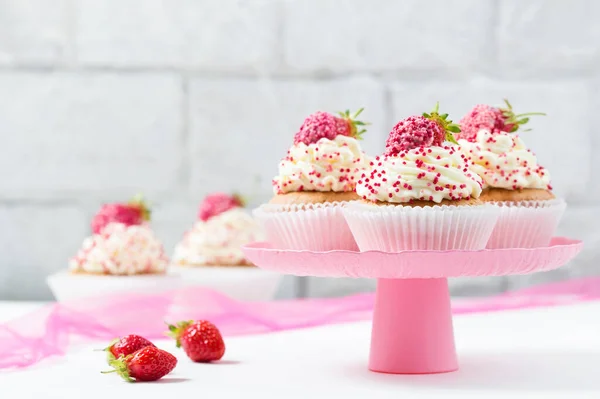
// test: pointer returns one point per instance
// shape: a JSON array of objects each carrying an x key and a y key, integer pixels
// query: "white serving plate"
[
  {"x": 248, "y": 284},
  {"x": 68, "y": 287}
]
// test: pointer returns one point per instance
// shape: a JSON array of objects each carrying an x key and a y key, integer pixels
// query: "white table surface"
[{"x": 549, "y": 353}]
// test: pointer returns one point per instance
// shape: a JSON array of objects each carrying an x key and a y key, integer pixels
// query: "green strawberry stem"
[
  {"x": 354, "y": 124},
  {"x": 530, "y": 113},
  {"x": 109, "y": 355},
  {"x": 442, "y": 120},
  {"x": 516, "y": 120},
  {"x": 138, "y": 201},
  {"x": 120, "y": 367},
  {"x": 241, "y": 199},
  {"x": 175, "y": 330}
]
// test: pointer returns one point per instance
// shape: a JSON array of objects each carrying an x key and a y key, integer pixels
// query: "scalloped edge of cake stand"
[{"x": 415, "y": 264}]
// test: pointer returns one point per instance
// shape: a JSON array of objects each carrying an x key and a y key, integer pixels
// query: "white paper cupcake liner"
[
  {"x": 394, "y": 228},
  {"x": 526, "y": 224},
  {"x": 313, "y": 227}
]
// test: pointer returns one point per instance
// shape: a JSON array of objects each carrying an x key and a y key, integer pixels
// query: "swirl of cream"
[
  {"x": 424, "y": 173},
  {"x": 327, "y": 165},
  {"x": 219, "y": 240},
  {"x": 503, "y": 161},
  {"x": 121, "y": 250}
]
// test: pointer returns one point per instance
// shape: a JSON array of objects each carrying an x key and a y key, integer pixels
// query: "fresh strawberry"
[
  {"x": 217, "y": 203},
  {"x": 125, "y": 346},
  {"x": 134, "y": 212},
  {"x": 421, "y": 131},
  {"x": 324, "y": 125},
  {"x": 494, "y": 119},
  {"x": 201, "y": 340},
  {"x": 146, "y": 364}
]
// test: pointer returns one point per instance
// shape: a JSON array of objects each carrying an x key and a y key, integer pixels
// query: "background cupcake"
[
  {"x": 216, "y": 238},
  {"x": 210, "y": 254},
  {"x": 122, "y": 243},
  {"x": 316, "y": 179},
  {"x": 512, "y": 177},
  {"x": 121, "y": 256},
  {"x": 420, "y": 195}
]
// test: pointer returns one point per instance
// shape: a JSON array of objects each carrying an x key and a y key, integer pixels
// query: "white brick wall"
[
  {"x": 210, "y": 34},
  {"x": 385, "y": 35},
  {"x": 99, "y": 100},
  {"x": 34, "y": 32},
  {"x": 545, "y": 36},
  {"x": 67, "y": 133},
  {"x": 36, "y": 240}
]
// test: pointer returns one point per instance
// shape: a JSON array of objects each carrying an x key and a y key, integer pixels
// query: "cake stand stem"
[{"x": 412, "y": 327}]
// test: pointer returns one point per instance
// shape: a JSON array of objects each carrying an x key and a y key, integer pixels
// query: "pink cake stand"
[{"x": 412, "y": 320}]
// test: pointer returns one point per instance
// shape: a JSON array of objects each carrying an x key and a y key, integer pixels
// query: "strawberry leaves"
[
  {"x": 356, "y": 127},
  {"x": 515, "y": 121},
  {"x": 449, "y": 127}
]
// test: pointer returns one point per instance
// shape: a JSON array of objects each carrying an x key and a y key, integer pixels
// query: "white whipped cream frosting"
[
  {"x": 425, "y": 173},
  {"x": 219, "y": 240},
  {"x": 121, "y": 250},
  {"x": 327, "y": 165},
  {"x": 503, "y": 161}
]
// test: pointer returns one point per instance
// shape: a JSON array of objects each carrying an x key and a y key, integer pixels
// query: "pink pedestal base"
[
  {"x": 412, "y": 327},
  {"x": 412, "y": 323}
]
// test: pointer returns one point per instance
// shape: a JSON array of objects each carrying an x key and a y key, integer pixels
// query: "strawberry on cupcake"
[
  {"x": 217, "y": 237},
  {"x": 133, "y": 213},
  {"x": 315, "y": 180},
  {"x": 511, "y": 175},
  {"x": 420, "y": 193}
]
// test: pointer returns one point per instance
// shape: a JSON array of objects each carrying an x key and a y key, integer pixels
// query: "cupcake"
[
  {"x": 217, "y": 237},
  {"x": 420, "y": 194},
  {"x": 122, "y": 243},
  {"x": 210, "y": 254},
  {"x": 121, "y": 256},
  {"x": 316, "y": 180},
  {"x": 512, "y": 178}
]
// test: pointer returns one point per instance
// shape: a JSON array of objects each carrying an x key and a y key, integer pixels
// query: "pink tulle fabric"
[{"x": 48, "y": 331}]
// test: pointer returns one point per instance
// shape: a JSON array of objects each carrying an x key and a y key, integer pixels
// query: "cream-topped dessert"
[
  {"x": 327, "y": 165},
  {"x": 510, "y": 170},
  {"x": 217, "y": 237},
  {"x": 218, "y": 241},
  {"x": 121, "y": 250},
  {"x": 503, "y": 161},
  {"x": 426, "y": 174},
  {"x": 326, "y": 159},
  {"x": 420, "y": 165},
  {"x": 420, "y": 194},
  {"x": 315, "y": 180}
]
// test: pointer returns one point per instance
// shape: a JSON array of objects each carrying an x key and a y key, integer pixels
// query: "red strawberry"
[
  {"x": 201, "y": 340},
  {"x": 420, "y": 131},
  {"x": 494, "y": 119},
  {"x": 126, "y": 346},
  {"x": 147, "y": 364},
  {"x": 218, "y": 203},
  {"x": 134, "y": 212},
  {"x": 324, "y": 125}
]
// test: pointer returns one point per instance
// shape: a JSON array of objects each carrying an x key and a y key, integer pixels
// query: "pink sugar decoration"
[
  {"x": 413, "y": 132},
  {"x": 317, "y": 126},
  {"x": 481, "y": 116}
]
